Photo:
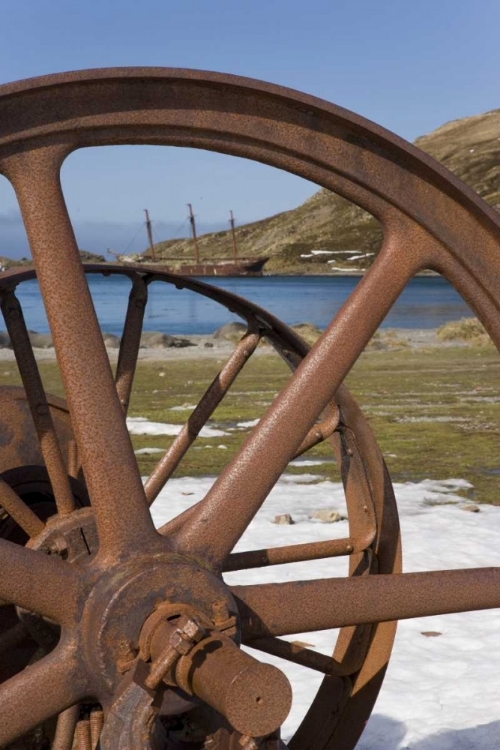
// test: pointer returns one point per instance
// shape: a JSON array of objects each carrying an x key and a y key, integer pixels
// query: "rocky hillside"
[
  {"x": 86, "y": 257},
  {"x": 327, "y": 232}
]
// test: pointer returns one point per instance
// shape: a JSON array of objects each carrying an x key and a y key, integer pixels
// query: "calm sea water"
[{"x": 427, "y": 302}]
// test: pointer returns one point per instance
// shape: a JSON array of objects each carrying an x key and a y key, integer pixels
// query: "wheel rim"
[{"x": 430, "y": 220}]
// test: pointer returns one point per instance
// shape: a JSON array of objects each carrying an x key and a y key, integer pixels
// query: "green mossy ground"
[{"x": 435, "y": 412}]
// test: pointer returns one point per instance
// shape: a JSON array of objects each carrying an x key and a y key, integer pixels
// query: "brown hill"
[
  {"x": 86, "y": 257},
  {"x": 338, "y": 229}
]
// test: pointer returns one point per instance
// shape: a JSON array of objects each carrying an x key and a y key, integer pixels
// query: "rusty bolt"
[
  {"x": 82, "y": 734},
  {"x": 221, "y": 616},
  {"x": 185, "y": 636},
  {"x": 58, "y": 546},
  {"x": 220, "y": 612},
  {"x": 96, "y": 725},
  {"x": 192, "y": 630},
  {"x": 180, "y": 643},
  {"x": 128, "y": 656}
]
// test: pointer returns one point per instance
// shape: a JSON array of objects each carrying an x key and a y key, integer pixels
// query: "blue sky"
[{"x": 408, "y": 66}]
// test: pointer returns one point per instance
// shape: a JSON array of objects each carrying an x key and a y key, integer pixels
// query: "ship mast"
[
  {"x": 112, "y": 252},
  {"x": 150, "y": 235},
  {"x": 193, "y": 232},
  {"x": 231, "y": 222}
]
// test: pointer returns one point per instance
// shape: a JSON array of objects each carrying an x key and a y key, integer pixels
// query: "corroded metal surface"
[{"x": 101, "y": 589}]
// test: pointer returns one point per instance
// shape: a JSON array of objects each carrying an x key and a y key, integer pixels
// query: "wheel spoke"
[
  {"x": 65, "y": 729},
  {"x": 39, "y": 408},
  {"x": 175, "y": 524},
  {"x": 131, "y": 340},
  {"x": 287, "y": 608},
  {"x": 320, "y": 431},
  {"x": 244, "y": 484},
  {"x": 19, "y": 511},
  {"x": 299, "y": 655},
  {"x": 40, "y": 691},
  {"x": 207, "y": 405},
  {"x": 262, "y": 558},
  {"x": 37, "y": 582},
  {"x": 108, "y": 460}
]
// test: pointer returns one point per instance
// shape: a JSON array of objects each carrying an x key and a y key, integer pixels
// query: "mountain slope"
[
  {"x": 327, "y": 232},
  {"x": 85, "y": 256}
]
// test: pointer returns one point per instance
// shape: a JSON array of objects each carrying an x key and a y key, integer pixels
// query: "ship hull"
[{"x": 241, "y": 267}]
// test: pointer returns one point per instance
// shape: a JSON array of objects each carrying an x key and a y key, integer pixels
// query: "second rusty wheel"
[
  {"x": 138, "y": 609},
  {"x": 371, "y": 547}
]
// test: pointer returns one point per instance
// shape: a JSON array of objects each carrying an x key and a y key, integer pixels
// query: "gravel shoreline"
[{"x": 209, "y": 347}]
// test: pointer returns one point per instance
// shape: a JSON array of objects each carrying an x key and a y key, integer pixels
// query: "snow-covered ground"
[{"x": 440, "y": 692}]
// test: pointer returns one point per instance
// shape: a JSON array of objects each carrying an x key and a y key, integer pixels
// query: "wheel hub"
[
  {"x": 135, "y": 619},
  {"x": 123, "y": 600}
]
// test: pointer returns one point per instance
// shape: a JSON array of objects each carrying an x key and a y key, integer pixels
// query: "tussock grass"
[
  {"x": 308, "y": 332},
  {"x": 383, "y": 340},
  {"x": 465, "y": 329}
]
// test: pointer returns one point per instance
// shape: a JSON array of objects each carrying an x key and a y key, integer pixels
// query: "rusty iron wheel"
[{"x": 145, "y": 610}]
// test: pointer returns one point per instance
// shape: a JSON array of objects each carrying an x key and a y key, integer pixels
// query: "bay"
[{"x": 426, "y": 302}]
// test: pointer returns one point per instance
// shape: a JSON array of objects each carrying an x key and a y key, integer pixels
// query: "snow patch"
[
  {"x": 245, "y": 425},
  {"x": 142, "y": 426},
  {"x": 309, "y": 462},
  {"x": 439, "y": 693}
]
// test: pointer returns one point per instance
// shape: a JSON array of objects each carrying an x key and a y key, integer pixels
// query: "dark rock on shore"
[
  {"x": 157, "y": 340},
  {"x": 4, "y": 340},
  {"x": 40, "y": 340},
  {"x": 111, "y": 341}
]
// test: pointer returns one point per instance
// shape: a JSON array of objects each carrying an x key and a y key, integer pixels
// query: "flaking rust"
[{"x": 132, "y": 636}]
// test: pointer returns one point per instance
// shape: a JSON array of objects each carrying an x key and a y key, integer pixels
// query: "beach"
[{"x": 210, "y": 347}]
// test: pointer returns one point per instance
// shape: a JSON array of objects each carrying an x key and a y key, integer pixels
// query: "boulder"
[
  {"x": 327, "y": 515},
  {"x": 230, "y": 331},
  {"x": 40, "y": 340},
  {"x": 180, "y": 343},
  {"x": 111, "y": 341},
  {"x": 158, "y": 340},
  {"x": 284, "y": 519}
]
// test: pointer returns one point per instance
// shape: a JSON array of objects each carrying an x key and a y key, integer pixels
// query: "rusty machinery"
[{"x": 116, "y": 632}]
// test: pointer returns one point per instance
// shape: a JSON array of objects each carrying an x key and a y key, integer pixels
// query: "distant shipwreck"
[{"x": 235, "y": 266}]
